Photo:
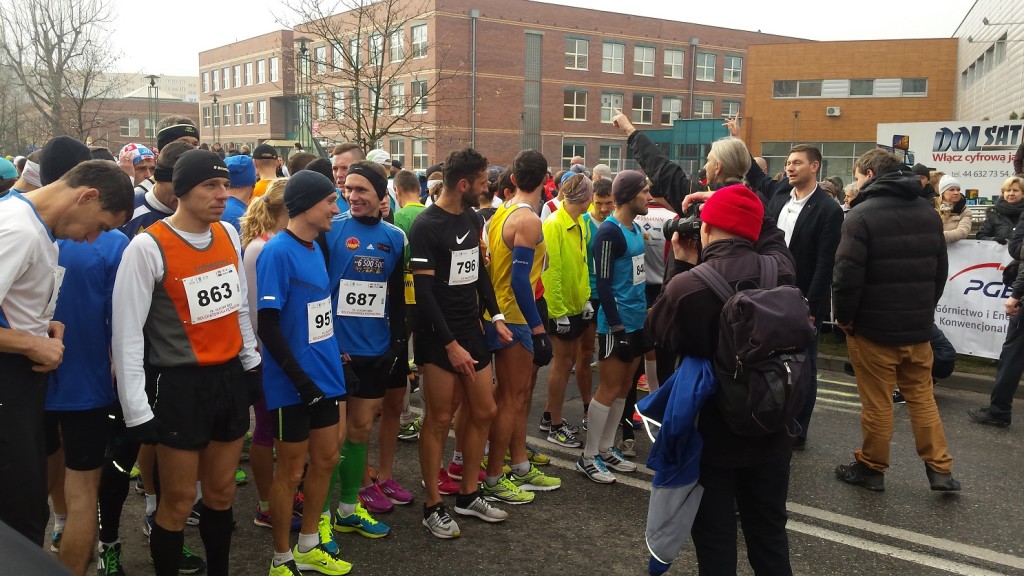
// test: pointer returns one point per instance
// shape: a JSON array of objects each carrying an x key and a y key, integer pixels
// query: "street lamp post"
[
  {"x": 302, "y": 98},
  {"x": 154, "y": 111},
  {"x": 215, "y": 118}
]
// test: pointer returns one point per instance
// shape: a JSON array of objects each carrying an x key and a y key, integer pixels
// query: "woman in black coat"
[{"x": 1003, "y": 215}]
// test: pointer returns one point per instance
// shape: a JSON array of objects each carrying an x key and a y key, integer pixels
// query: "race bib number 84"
[{"x": 213, "y": 294}]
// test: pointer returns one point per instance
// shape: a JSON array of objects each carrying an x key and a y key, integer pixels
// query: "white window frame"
[
  {"x": 617, "y": 56},
  {"x": 275, "y": 68},
  {"x": 261, "y": 111},
  {"x": 646, "y": 106},
  {"x": 671, "y": 105},
  {"x": 611, "y": 104},
  {"x": 706, "y": 71},
  {"x": 206, "y": 82},
  {"x": 730, "y": 108},
  {"x": 643, "y": 57},
  {"x": 320, "y": 58},
  {"x": 237, "y": 71},
  {"x": 133, "y": 124},
  {"x": 672, "y": 68},
  {"x": 250, "y": 113},
  {"x": 419, "y": 97},
  {"x": 225, "y": 75},
  {"x": 261, "y": 71},
  {"x": 419, "y": 36},
  {"x": 578, "y": 57},
  {"x": 339, "y": 103},
  {"x": 248, "y": 73},
  {"x": 398, "y": 99},
  {"x": 238, "y": 113},
  {"x": 225, "y": 110},
  {"x": 216, "y": 80},
  {"x": 703, "y": 108},
  {"x": 354, "y": 53},
  {"x": 397, "y": 153},
  {"x": 732, "y": 69},
  {"x": 575, "y": 149},
  {"x": 397, "y": 46},
  {"x": 419, "y": 153},
  {"x": 321, "y": 105},
  {"x": 574, "y": 105},
  {"x": 605, "y": 156},
  {"x": 376, "y": 45}
]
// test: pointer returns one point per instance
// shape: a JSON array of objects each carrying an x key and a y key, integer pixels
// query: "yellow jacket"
[{"x": 566, "y": 278}]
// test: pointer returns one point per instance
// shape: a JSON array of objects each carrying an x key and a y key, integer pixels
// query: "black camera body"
[{"x": 687, "y": 225}]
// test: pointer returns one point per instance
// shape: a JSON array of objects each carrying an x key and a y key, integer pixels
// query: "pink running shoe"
[
  {"x": 455, "y": 472},
  {"x": 374, "y": 500},
  {"x": 393, "y": 491}
]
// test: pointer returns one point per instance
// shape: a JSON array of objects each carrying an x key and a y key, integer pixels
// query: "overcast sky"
[{"x": 153, "y": 42}]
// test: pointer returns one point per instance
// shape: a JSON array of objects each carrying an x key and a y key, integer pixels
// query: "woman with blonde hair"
[
  {"x": 1002, "y": 217},
  {"x": 265, "y": 216},
  {"x": 951, "y": 205}
]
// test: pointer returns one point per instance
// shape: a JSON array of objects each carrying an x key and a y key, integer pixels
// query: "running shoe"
[
  {"x": 536, "y": 458},
  {"x": 445, "y": 484},
  {"x": 374, "y": 500},
  {"x": 109, "y": 563},
  {"x": 586, "y": 420},
  {"x": 616, "y": 461},
  {"x": 55, "y": 538},
  {"x": 595, "y": 469},
  {"x": 287, "y": 569},
  {"x": 480, "y": 508},
  {"x": 411, "y": 431},
  {"x": 628, "y": 447},
  {"x": 240, "y": 477},
  {"x": 439, "y": 522},
  {"x": 189, "y": 563},
  {"x": 507, "y": 492},
  {"x": 641, "y": 384},
  {"x": 262, "y": 519},
  {"x": 193, "y": 516},
  {"x": 361, "y": 522},
  {"x": 325, "y": 530},
  {"x": 563, "y": 437},
  {"x": 319, "y": 559},
  {"x": 455, "y": 472},
  {"x": 545, "y": 425},
  {"x": 535, "y": 481},
  {"x": 897, "y": 397},
  {"x": 297, "y": 506},
  {"x": 393, "y": 491},
  {"x": 135, "y": 472},
  {"x": 505, "y": 468}
]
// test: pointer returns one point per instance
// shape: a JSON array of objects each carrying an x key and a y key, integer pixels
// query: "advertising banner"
[
  {"x": 971, "y": 312},
  {"x": 978, "y": 153}
]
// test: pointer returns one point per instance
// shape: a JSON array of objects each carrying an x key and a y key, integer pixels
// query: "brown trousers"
[{"x": 880, "y": 370}]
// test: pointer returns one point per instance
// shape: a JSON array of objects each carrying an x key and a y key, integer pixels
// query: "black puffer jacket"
[
  {"x": 1000, "y": 221},
  {"x": 891, "y": 264}
]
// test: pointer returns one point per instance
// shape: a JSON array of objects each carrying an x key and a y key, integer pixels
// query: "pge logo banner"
[
  {"x": 970, "y": 311},
  {"x": 978, "y": 153}
]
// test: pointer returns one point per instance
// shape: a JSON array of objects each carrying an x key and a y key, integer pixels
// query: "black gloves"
[
  {"x": 542, "y": 351},
  {"x": 621, "y": 347},
  {"x": 254, "y": 384},
  {"x": 149, "y": 432},
  {"x": 390, "y": 360}
]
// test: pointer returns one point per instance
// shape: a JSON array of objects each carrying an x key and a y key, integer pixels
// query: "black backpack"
[{"x": 762, "y": 364}]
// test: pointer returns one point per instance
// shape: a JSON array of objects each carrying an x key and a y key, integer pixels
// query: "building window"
[
  {"x": 339, "y": 104},
  {"x": 915, "y": 87},
  {"x": 577, "y": 54},
  {"x": 674, "y": 63},
  {"x": 570, "y": 150},
  {"x": 261, "y": 71},
  {"x": 397, "y": 99},
  {"x": 730, "y": 109},
  {"x": 261, "y": 111},
  {"x": 396, "y": 147},
  {"x": 643, "y": 61},
  {"x": 374, "y": 100},
  {"x": 611, "y": 104},
  {"x": 321, "y": 105},
  {"x": 206, "y": 82},
  {"x": 250, "y": 114},
  {"x": 671, "y": 110},
  {"x": 612, "y": 156},
  {"x": 419, "y": 96},
  {"x": 238, "y": 114},
  {"x": 130, "y": 126},
  {"x": 397, "y": 49},
  {"x": 376, "y": 49},
  {"x": 419, "y": 42},
  {"x": 337, "y": 56},
  {"x": 706, "y": 66},
  {"x": 353, "y": 52},
  {"x": 216, "y": 81},
  {"x": 320, "y": 58},
  {"x": 862, "y": 87},
  {"x": 643, "y": 109},
  {"x": 150, "y": 124},
  {"x": 575, "y": 105},
  {"x": 612, "y": 56},
  {"x": 703, "y": 108},
  {"x": 419, "y": 154},
  {"x": 796, "y": 88},
  {"x": 275, "y": 68},
  {"x": 227, "y": 79},
  {"x": 732, "y": 71},
  {"x": 226, "y": 114},
  {"x": 248, "y": 73}
]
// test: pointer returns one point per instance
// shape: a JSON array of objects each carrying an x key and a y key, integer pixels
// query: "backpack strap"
[
  {"x": 769, "y": 272},
  {"x": 714, "y": 280}
]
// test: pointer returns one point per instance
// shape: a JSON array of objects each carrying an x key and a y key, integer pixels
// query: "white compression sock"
[{"x": 599, "y": 416}]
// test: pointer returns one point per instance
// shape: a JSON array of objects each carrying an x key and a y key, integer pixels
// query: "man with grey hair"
[{"x": 602, "y": 171}]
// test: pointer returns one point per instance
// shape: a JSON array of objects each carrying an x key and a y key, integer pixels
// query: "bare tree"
[
  {"x": 57, "y": 51},
  {"x": 361, "y": 56}
]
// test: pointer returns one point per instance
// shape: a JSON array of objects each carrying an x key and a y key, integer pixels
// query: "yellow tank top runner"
[{"x": 500, "y": 266}]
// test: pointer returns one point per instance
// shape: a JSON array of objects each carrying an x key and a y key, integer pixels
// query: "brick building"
[
  {"x": 833, "y": 94},
  {"x": 545, "y": 76}
]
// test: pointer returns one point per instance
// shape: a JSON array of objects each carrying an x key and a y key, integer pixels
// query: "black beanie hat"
[
  {"x": 59, "y": 156},
  {"x": 195, "y": 167},
  {"x": 304, "y": 189}
]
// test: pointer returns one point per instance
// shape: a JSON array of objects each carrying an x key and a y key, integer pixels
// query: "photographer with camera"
[{"x": 748, "y": 473}]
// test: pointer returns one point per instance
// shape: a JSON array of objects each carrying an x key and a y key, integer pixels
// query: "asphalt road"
[{"x": 586, "y": 528}]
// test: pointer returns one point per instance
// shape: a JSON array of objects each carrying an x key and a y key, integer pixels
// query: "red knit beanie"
[{"x": 736, "y": 210}]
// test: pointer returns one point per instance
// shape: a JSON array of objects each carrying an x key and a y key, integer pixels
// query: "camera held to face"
[{"x": 688, "y": 224}]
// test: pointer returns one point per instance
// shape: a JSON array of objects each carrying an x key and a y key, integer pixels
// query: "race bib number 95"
[
  {"x": 318, "y": 315},
  {"x": 213, "y": 294}
]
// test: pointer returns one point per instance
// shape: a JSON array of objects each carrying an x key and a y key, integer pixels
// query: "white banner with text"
[{"x": 971, "y": 312}]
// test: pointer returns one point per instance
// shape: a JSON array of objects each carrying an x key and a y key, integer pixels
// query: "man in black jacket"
[
  {"x": 811, "y": 221},
  {"x": 747, "y": 473},
  {"x": 668, "y": 180},
  {"x": 890, "y": 271}
]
